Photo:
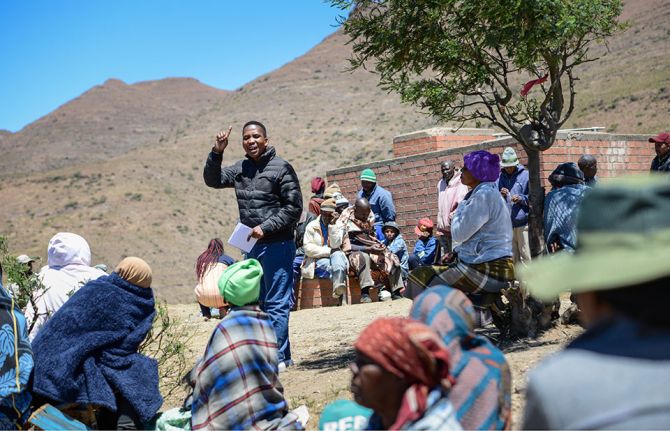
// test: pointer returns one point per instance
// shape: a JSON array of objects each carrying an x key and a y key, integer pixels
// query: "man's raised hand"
[{"x": 222, "y": 140}]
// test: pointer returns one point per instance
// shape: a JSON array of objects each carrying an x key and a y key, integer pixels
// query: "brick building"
[{"x": 413, "y": 173}]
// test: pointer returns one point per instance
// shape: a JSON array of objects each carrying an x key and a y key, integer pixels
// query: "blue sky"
[{"x": 52, "y": 51}]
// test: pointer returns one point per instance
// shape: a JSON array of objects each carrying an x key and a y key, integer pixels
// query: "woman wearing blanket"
[{"x": 86, "y": 355}]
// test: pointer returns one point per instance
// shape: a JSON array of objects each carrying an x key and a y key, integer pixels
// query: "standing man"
[
  {"x": 270, "y": 202},
  {"x": 513, "y": 186},
  {"x": 661, "y": 162},
  {"x": 380, "y": 199},
  {"x": 589, "y": 167},
  {"x": 450, "y": 192}
]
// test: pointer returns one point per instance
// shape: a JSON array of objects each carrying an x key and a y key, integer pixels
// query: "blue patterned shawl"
[
  {"x": 15, "y": 357},
  {"x": 482, "y": 393}
]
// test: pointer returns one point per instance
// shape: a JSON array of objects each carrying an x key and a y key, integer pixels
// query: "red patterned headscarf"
[{"x": 412, "y": 351}]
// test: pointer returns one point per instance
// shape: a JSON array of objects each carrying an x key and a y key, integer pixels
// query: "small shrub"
[{"x": 167, "y": 343}]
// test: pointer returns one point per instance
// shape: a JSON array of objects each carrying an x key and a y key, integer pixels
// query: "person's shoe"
[
  {"x": 384, "y": 296},
  {"x": 365, "y": 299},
  {"x": 396, "y": 295},
  {"x": 284, "y": 365},
  {"x": 339, "y": 291}
]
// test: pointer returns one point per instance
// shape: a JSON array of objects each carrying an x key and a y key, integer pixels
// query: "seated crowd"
[{"x": 77, "y": 345}]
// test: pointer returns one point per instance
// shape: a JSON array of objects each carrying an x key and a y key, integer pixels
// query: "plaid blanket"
[
  {"x": 237, "y": 384},
  {"x": 490, "y": 276}
]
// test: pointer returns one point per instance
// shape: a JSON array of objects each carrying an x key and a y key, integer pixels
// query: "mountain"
[{"x": 122, "y": 164}]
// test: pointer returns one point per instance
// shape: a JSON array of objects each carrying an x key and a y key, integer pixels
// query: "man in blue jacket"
[
  {"x": 380, "y": 199},
  {"x": 513, "y": 186},
  {"x": 270, "y": 202}
]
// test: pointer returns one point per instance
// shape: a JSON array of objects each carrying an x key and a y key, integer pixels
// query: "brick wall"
[
  {"x": 413, "y": 179},
  {"x": 438, "y": 138}
]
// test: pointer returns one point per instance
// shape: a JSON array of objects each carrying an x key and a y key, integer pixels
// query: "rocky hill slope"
[{"x": 122, "y": 164}]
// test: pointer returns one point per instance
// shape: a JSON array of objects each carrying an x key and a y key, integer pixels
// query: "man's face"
[
  {"x": 367, "y": 186},
  {"x": 254, "y": 141},
  {"x": 448, "y": 170},
  {"x": 389, "y": 234},
  {"x": 361, "y": 213},
  {"x": 590, "y": 171},
  {"x": 662, "y": 149},
  {"x": 510, "y": 169},
  {"x": 326, "y": 216}
]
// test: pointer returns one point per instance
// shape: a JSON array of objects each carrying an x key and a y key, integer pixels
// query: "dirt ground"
[{"x": 321, "y": 345}]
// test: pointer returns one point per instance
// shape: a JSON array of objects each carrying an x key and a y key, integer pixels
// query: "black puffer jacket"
[{"x": 268, "y": 192}]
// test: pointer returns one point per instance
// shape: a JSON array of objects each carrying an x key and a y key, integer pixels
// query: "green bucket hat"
[
  {"x": 509, "y": 158},
  {"x": 368, "y": 175},
  {"x": 240, "y": 283},
  {"x": 623, "y": 240}
]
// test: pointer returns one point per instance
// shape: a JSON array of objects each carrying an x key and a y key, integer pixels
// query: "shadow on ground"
[{"x": 330, "y": 359}]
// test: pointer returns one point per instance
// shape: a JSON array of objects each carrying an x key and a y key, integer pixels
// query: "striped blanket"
[{"x": 490, "y": 276}]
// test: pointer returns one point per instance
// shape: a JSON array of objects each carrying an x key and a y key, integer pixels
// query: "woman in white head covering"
[{"x": 69, "y": 268}]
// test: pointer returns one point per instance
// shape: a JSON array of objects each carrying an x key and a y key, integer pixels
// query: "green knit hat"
[
  {"x": 368, "y": 175},
  {"x": 240, "y": 283}
]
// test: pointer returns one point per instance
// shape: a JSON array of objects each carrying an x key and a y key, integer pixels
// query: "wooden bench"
[{"x": 315, "y": 293}]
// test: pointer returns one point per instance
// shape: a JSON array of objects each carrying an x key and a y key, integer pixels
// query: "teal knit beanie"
[
  {"x": 240, "y": 283},
  {"x": 368, "y": 175}
]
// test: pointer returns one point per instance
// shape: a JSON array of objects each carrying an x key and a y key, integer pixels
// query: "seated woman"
[
  {"x": 481, "y": 231},
  {"x": 616, "y": 374},
  {"x": 69, "y": 268},
  {"x": 401, "y": 372},
  {"x": 482, "y": 395},
  {"x": 237, "y": 381},
  {"x": 208, "y": 269},
  {"x": 17, "y": 363},
  {"x": 86, "y": 354}
]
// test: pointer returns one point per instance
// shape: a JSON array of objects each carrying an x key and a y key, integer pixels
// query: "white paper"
[{"x": 239, "y": 238}]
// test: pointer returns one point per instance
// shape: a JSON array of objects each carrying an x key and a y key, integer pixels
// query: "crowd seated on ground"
[{"x": 428, "y": 371}]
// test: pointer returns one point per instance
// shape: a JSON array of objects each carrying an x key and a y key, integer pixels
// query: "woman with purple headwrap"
[{"x": 481, "y": 231}]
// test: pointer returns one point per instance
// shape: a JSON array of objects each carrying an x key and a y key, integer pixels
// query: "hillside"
[{"x": 122, "y": 164}]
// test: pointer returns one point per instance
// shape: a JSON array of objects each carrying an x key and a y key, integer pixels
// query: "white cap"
[{"x": 24, "y": 258}]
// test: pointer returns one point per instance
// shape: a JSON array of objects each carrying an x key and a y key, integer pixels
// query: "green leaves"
[{"x": 466, "y": 60}]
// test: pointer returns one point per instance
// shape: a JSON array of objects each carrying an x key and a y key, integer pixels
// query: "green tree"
[{"x": 466, "y": 61}]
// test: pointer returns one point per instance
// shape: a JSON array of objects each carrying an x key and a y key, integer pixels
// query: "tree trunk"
[{"x": 535, "y": 202}]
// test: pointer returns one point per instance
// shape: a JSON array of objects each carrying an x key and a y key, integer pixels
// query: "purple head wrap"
[{"x": 483, "y": 165}]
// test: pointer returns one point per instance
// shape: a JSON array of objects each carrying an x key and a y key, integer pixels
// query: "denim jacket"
[{"x": 482, "y": 227}]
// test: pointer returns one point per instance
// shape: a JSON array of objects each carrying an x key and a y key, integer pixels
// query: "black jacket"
[{"x": 268, "y": 192}]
